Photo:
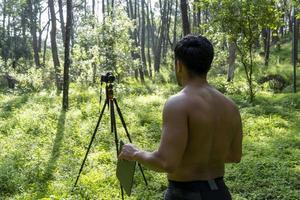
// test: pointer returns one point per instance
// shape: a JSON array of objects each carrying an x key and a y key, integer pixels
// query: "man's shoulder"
[
  {"x": 177, "y": 101},
  {"x": 228, "y": 101}
]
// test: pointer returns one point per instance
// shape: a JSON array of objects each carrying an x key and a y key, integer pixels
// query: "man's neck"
[{"x": 196, "y": 81}]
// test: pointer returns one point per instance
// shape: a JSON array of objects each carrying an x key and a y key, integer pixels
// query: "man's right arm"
[{"x": 235, "y": 151}]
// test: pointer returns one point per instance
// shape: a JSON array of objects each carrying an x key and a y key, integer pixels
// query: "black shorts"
[{"x": 198, "y": 190}]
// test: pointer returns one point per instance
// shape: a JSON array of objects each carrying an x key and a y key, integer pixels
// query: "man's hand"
[{"x": 128, "y": 152}]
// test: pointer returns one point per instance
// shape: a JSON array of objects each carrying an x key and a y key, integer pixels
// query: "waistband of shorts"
[{"x": 213, "y": 184}]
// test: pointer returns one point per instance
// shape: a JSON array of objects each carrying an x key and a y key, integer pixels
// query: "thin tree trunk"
[
  {"x": 65, "y": 103},
  {"x": 137, "y": 39},
  {"x": 175, "y": 24},
  {"x": 54, "y": 47},
  {"x": 185, "y": 19},
  {"x": 295, "y": 49},
  {"x": 40, "y": 33},
  {"x": 231, "y": 60},
  {"x": 45, "y": 45},
  {"x": 4, "y": 15},
  {"x": 167, "y": 30},
  {"x": 157, "y": 57},
  {"x": 33, "y": 30},
  {"x": 103, "y": 10},
  {"x": 267, "y": 40},
  {"x": 144, "y": 63},
  {"x": 152, "y": 28},
  {"x": 85, "y": 5},
  {"x": 61, "y": 18},
  {"x": 149, "y": 35},
  {"x": 93, "y": 26}
]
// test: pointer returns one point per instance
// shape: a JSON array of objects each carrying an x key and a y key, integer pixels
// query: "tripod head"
[
  {"x": 109, "y": 91},
  {"x": 108, "y": 79}
]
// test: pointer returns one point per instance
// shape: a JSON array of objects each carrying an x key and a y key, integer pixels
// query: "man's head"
[{"x": 194, "y": 54}]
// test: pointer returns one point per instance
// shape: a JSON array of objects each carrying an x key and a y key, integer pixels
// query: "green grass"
[{"x": 41, "y": 148}]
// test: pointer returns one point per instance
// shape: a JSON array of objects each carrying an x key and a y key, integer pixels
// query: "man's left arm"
[{"x": 173, "y": 141}]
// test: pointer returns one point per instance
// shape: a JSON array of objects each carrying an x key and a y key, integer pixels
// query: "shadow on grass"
[
  {"x": 52, "y": 163},
  {"x": 8, "y": 107}
]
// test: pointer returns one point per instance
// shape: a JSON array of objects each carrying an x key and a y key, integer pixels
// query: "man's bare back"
[{"x": 213, "y": 123}]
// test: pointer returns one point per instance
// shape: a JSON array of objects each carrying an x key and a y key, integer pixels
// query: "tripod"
[{"x": 111, "y": 102}]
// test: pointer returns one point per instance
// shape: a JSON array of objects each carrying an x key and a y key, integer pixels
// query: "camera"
[{"x": 108, "y": 78}]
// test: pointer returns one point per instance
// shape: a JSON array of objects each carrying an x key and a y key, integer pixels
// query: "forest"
[{"x": 54, "y": 54}]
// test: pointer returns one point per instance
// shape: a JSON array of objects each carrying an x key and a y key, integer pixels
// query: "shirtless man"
[{"x": 202, "y": 130}]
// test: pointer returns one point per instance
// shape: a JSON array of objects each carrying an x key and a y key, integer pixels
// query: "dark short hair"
[{"x": 196, "y": 53}]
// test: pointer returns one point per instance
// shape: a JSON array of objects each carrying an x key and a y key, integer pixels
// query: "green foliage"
[
  {"x": 242, "y": 22},
  {"x": 107, "y": 46}
]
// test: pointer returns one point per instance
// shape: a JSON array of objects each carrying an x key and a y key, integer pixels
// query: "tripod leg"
[
  {"x": 89, "y": 147},
  {"x": 122, "y": 120},
  {"x": 122, "y": 192},
  {"x": 128, "y": 136},
  {"x": 113, "y": 125},
  {"x": 114, "y": 130}
]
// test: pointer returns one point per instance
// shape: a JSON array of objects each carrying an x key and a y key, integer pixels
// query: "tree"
[
  {"x": 163, "y": 21},
  {"x": 295, "y": 48},
  {"x": 231, "y": 58},
  {"x": 33, "y": 29},
  {"x": 61, "y": 18},
  {"x": 142, "y": 37},
  {"x": 55, "y": 57},
  {"x": 65, "y": 103},
  {"x": 244, "y": 20},
  {"x": 133, "y": 14},
  {"x": 185, "y": 19}
]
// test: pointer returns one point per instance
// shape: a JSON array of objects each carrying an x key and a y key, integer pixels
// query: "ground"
[{"x": 41, "y": 148}]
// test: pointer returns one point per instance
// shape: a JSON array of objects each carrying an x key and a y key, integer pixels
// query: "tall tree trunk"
[
  {"x": 185, "y": 19},
  {"x": 45, "y": 45},
  {"x": 61, "y": 18},
  {"x": 197, "y": 16},
  {"x": 93, "y": 7},
  {"x": 33, "y": 30},
  {"x": 65, "y": 103},
  {"x": 4, "y": 15},
  {"x": 93, "y": 26},
  {"x": 23, "y": 24},
  {"x": 40, "y": 33},
  {"x": 157, "y": 57},
  {"x": 295, "y": 49},
  {"x": 167, "y": 30},
  {"x": 290, "y": 20},
  {"x": 54, "y": 47},
  {"x": 267, "y": 41},
  {"x": 175, "y": 24},
  {"x": 154, "y": 41},
  {"x": 103, "y": 10},
  {"x": 137, "y": 39},
  {"x": 85, "y": 5},
  {"x": 231, "y": 60},
  {"x": 143, "y": 55},
  {"x": 149, "y": 35}
]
